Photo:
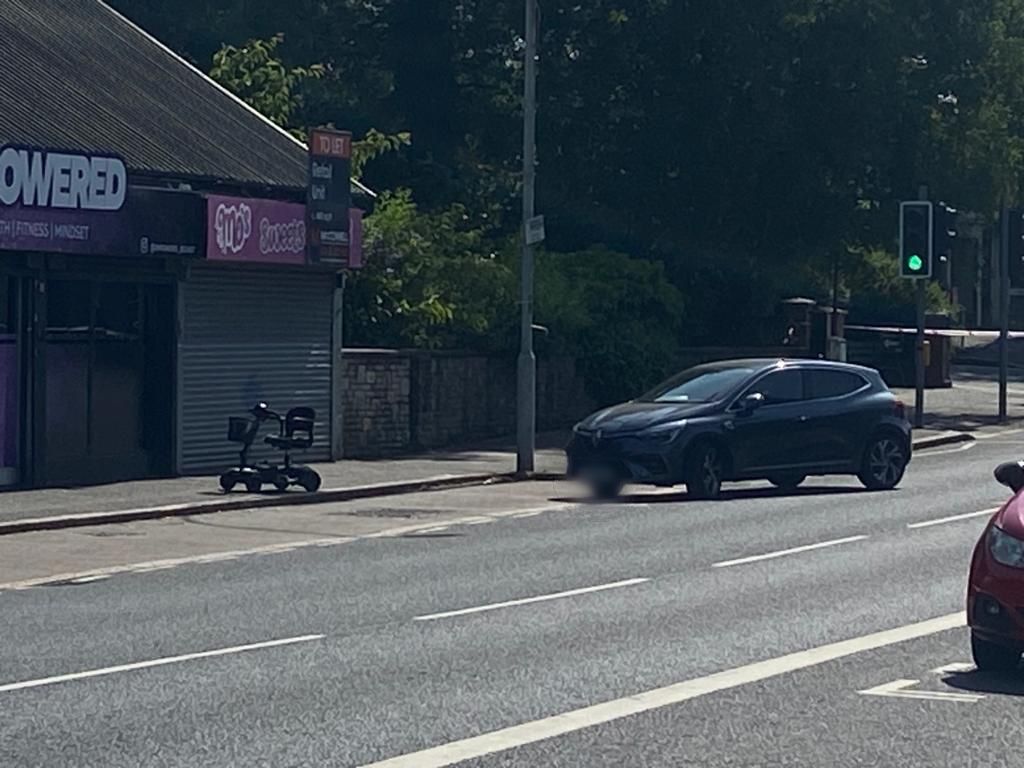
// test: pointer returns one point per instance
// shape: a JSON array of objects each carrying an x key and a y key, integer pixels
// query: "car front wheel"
[
  {"x": 883, "y": 464},
  {"x": 992, "y": 657},
  {"x": 703, "y": 471}
]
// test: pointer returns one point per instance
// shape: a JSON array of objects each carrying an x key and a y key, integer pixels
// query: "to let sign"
[{"x": 329, "y": 196}]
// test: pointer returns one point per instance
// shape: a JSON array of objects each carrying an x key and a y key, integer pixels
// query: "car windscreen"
[{"x": 699, "y": 385}]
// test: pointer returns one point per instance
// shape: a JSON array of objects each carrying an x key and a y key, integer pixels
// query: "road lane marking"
[
  {"x": 897, "y": 689},
  {"x": 952, "y": 518},
  {"x": 956, "y": 668},
  {"x": 155, "y": 663},
  {"x": 528, "y": 600},
  {"x": 787, "y": 552},
  {"x": 1000, "y": 433},
  {"x": 926, "y": 452},
  {"x": 576, "y": 720}
]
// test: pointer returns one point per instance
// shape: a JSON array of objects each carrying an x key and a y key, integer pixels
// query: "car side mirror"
[
  {"x": 751, "y": 402},
  {"x": 1011, "y": 474}
]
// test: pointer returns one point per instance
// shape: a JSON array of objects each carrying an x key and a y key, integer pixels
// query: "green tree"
[{"x": 255, "y": 73}]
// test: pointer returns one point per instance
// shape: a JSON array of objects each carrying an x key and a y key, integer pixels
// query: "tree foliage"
[{"x": 741, "y": 146}]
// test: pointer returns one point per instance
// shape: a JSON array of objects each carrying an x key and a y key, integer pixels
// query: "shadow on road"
[
  {"x": 1006, "y": 684},
  {"x": 734, "y": 495}
]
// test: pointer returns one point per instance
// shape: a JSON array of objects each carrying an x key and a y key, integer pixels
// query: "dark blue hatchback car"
[{"x": 776, "y": 420}]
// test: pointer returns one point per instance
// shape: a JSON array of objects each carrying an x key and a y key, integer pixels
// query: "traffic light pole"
[
  {"x": 1004, "y": 310},
  {"x": 919, "y": 356},
  {"x": 919, "y": 285}
]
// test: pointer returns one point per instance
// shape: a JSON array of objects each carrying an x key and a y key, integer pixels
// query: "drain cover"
[{"x": 400, "y": 512}]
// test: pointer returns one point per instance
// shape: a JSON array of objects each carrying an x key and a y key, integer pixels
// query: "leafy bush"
[
  {"x": 431, "y": 279},
  {"x": 619, "y": 316}
]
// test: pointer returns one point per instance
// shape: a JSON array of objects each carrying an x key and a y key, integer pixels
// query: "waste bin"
[{"x": 939, "y": 362}]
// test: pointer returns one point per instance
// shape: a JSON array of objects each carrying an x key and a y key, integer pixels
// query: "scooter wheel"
[
  {"x": 227, "y": 483},
  {"x": 253, "y": 484},
  {"x": 310, "y": 480}
]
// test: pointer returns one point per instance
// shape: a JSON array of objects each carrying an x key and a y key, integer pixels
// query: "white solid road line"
[
  {"x": 569, "y": 722},
  {"x": 786, "y": 552},
  {"x": 528, "y": 600},
  {"x": 155, "y": 663},
  {"x": 952, "y": 518}
]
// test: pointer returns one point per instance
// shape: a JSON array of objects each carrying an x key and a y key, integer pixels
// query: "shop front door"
[
  {"x": 10, "y": 380},
  {"x": 109, "y": 381}
]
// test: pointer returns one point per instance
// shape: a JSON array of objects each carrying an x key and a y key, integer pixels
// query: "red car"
[{"x": 995, "y": 590}]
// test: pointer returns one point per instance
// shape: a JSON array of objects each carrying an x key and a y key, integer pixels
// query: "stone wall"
[
  {"x": 401, "y": 401},
  {"x": 397, "y": 401}
]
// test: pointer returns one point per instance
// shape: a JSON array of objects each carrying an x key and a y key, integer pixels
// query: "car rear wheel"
[
  {"x": 703, "y": 471},
  {"x": 787, "y": 482},
  {"x": 884, "y": 462},
  {"x": 993, "y": 657}
]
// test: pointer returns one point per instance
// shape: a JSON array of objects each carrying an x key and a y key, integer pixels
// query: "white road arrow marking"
[
  {"x": 897, "y": 689},
  {"x": 955, "y": 668}
]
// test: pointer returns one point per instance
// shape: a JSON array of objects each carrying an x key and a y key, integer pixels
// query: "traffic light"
[
  {"x": 916, "y": 239},
  {"x": 944, "y": 230}
]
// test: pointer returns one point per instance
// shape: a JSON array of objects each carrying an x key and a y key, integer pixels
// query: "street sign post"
[{"x": 329, "y": 196}]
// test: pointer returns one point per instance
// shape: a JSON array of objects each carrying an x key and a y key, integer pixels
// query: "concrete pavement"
[
  {"x": 437, "y": 638},
  {"x": 151, "y": 499}
]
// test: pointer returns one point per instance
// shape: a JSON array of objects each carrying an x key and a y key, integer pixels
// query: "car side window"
[
  {"x": 833, "y": 383},
  {"x": 781, "y": 387}
]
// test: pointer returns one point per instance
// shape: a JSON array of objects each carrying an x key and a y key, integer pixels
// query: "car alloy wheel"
[
  {"x": 704, "y": 475},
  {"x": 884, "y": 464}
]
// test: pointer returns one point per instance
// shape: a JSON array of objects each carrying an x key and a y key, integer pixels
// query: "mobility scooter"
[{"x": 295, "y": 432}]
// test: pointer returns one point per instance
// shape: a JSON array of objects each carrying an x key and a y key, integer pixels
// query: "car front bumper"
[
  {"x": 995, "y": 601},
  {"x": 634, "y": 458}
]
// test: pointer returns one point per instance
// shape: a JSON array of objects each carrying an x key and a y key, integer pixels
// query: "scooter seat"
[{"x": 288, "y": 443}]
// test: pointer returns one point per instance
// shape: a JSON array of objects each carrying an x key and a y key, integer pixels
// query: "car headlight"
[
  {"x": 665, "y": 433},
  {"x": 579, "y": 429},
  {"x": 1005, "y": 549}
]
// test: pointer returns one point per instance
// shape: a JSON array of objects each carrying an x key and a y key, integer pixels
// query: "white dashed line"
[
  {"x": 528, "y": 600},
  {"x": 952, "y": 518},
  {"x": 787, "y": 552},
  {"x": 154, "y": 663}
]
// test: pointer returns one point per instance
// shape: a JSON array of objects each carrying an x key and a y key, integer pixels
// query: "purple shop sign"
[
  {"x": 153, "y": 222},
  {"x": 266, "y": 231},
  {"x": 62, "y": 202},
  {"x": 254, "y": 230}
]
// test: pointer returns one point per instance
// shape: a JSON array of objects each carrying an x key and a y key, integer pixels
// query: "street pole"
[
  {"x": 919, "y": 285},
  {"x": 526, "y": 388},
  {"x": 1004, "y": 309}
]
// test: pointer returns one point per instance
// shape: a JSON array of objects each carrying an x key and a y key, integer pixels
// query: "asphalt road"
[{"x": 732, "y": 633}]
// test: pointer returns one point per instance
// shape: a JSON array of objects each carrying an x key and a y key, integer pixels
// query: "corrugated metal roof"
[{"x": 74, "y": 74}]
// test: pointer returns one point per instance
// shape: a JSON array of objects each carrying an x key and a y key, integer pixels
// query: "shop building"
[{"x": 154, "y": 276}]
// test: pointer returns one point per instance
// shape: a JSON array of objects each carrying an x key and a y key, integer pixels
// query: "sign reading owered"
[{"x": 67, "y": 202}]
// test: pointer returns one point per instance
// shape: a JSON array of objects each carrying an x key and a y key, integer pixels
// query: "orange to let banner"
[{"x": 324, "y": 143}]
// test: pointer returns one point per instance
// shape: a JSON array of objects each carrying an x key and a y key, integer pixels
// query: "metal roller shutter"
[{"x": 251, "y": 335}]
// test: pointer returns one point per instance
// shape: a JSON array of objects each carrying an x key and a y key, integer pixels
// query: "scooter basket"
[{"x": 238, "y": 429}]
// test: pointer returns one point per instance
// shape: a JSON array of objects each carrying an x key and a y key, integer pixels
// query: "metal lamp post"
[{"x": 526, "y": 387}]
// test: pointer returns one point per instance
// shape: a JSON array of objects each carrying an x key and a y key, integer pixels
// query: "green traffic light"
[{"x": 915, "y": 262}]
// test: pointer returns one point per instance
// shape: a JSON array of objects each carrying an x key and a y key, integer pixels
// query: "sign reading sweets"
[
  {"x": 254, "y": 230},
  {"x": 329, "y": 196},
  {"x": 66, "y": 202}
]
